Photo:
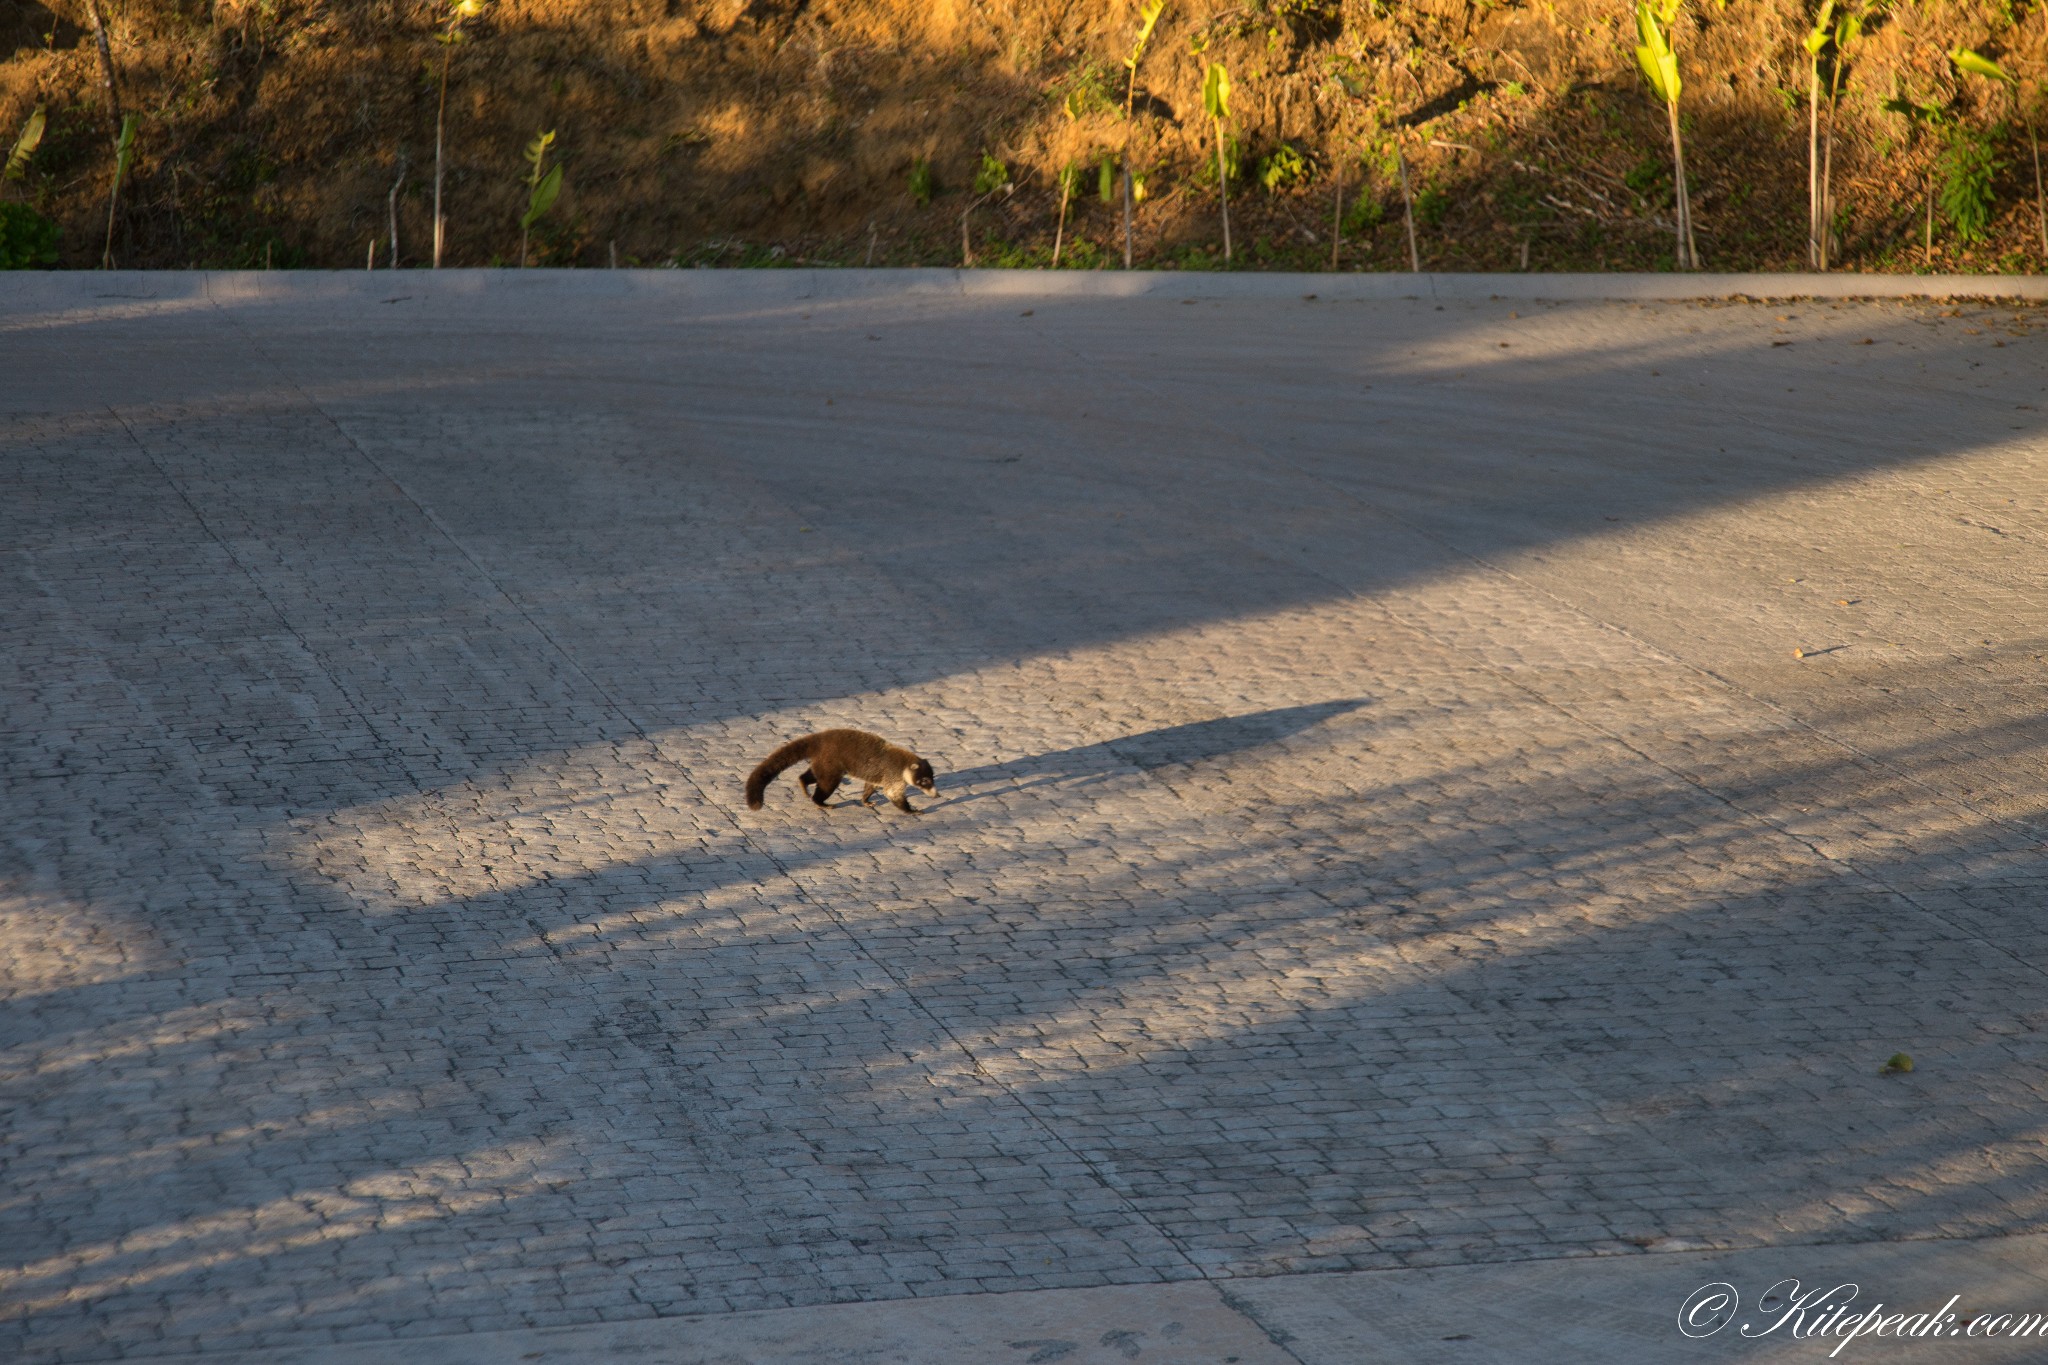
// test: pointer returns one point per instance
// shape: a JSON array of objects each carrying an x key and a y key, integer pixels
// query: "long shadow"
[{"x": 1169, "y": 746}]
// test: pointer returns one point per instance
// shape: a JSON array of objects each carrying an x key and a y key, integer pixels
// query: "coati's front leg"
[
  {"x": 899, "y": 797},
  {"x": 867, "y": 793}
]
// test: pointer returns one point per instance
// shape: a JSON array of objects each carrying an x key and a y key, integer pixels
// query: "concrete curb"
[
  {"x": 756, "y": 287},
  {"x": 1597, "y": 1310}
]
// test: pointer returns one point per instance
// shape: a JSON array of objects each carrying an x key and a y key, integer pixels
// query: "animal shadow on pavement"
[{"x": 1148, "y": 751}]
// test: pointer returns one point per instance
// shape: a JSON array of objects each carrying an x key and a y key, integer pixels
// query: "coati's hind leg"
[
  {"x": 827, "y": 779},
  {"x": 806, "y": 778}
]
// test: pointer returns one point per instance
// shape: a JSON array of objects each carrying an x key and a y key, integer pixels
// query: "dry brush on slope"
[{"x": 775, "y": 131}]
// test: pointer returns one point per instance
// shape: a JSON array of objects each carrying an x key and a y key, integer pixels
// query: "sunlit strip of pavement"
[{"x": 96, "y": 290}]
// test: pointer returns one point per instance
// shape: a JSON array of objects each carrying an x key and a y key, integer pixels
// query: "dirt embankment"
[{"x": 849, "y": 131}]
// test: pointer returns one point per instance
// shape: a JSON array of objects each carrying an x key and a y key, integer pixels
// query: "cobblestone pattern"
[{"x": 1383, "y": 819}]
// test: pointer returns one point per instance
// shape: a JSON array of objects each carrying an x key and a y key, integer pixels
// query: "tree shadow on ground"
[
  {"x": 1591, "y": 1007},
  {"x": 1200, "y": 741}
]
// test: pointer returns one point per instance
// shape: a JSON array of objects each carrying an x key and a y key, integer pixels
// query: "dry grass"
[{"x": 756, "y": 131}]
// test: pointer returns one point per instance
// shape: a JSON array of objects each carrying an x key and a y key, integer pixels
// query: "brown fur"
[{"x": 834, "y": 756}]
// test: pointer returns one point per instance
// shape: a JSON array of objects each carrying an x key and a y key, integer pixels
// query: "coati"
[{"x": 835, "y": 755}]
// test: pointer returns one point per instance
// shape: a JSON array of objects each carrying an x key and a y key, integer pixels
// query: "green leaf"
[
  {"x": 1817, "y": 36},
  {"x": 543, "y": 197},
  {"x": 24, "y": 146},
  {"x": 991, "y": 176},
  {"x": 1654, "y": 55},
  {"x": 1216, "y": 92},
  {"x": 536, "y": 152},
  {"x": 1847, "y": 30},
  {"x": 1976, "y": 65},
  {"x": 124, "y": 148},
  {"x": 1150, "y": 14}
]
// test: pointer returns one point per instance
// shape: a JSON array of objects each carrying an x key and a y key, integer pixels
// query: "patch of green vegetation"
[
  {"x": 1282, "y": 169},
  {"x": 27, "y": 239},
  {"x": 556, "y": 242},
  {"x": 998, "y": 254},
  {"x": 1082, "y": 254},
  {"x": 1087, "y": 87},
  {"x": 1650, "y": 180},
  {"x": 1204, "y": 174},
  {"x": 1970, "y": 164},
  {"x": 922, "y": 186},
  {"x": 1432, "y": 205},
  {"x": 1194, "y": 256},
  {"x": 1519, "y": 201},
  {"x": 246, "y": 169},
  {"x": 1366, "y": 212},
  {"x": 265, "y": 249}
]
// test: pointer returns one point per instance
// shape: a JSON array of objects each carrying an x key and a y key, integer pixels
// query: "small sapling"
[
  {"x": 1659, "y": 62},
  {"x": 541, "y": 187},
  {"x": 124, "y": 155},
  {"x": 1216, "y": 104},
  {"x": 1976, "y": 65}
]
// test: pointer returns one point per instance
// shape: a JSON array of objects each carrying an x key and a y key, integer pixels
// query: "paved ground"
[{"x": 1384, "y": 823}]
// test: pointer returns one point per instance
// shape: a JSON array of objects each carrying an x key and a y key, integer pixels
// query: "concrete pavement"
[{"x": 1445, "y": 800}]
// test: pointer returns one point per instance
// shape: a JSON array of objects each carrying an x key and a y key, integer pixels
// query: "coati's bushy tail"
[{"x": 788, "y": 756}]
